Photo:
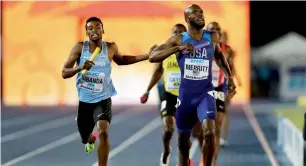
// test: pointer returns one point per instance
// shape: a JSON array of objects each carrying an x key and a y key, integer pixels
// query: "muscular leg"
[
  {"x": 225, "y": 124},
  {"x": 208, "y": 147},
  {"x": 186, "y": 117},
  {"x": 168, "y": 128},
  {"x": 168, "y": 113},
  {"x": 85, "y": 122},
  {"x": 103, "y": 148},
  {"x": 184, "y": 145},
  {"x": 219, "y": 120}
]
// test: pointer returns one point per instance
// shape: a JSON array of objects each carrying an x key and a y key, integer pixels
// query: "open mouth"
[
  {"x": 95, "y": 36},
  {"x": 201, "y": 20}
]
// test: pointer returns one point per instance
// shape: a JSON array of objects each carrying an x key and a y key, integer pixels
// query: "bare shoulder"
[
  {"x": 78, "y": 46},
  {"x": 175, "y": 40},
  {"x": 229, "y": 50},
  {"x": 77, "y": 49},
  {"x": 112, "y": 46}
]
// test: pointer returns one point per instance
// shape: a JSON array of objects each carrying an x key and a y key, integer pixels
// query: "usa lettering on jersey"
[{"x": 197, "y": 66}]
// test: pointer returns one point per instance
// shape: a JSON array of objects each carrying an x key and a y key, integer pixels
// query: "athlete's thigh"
[
  {"x": 207, "y": 108},
  {"x": 85, "y": 121},
  {"x": 186, "y": 116},
  {"x": 220, "y": 106},
  {"x": 219, "y": 94},
  {"x": 103, "y": 111}
]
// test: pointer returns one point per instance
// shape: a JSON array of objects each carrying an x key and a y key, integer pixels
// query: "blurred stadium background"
[{"x": 38, "y": 106}]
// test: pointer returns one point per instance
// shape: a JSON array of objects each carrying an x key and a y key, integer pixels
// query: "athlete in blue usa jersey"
[
  {"x": 195, "y": 51},
  {"x": 95, "y": 88}
]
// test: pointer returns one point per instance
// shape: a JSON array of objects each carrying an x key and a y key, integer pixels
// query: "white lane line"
[
  {"x": 259, "y": 134},
  {"x": 38, "y": 128},
  {"x": 65, "y": 140},
  {"x": 148, "y": 128},
  {"x": 18, "y": 121},
  {"x": 43, "y": 149}
]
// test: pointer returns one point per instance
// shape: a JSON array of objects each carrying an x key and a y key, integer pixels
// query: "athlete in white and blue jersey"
[
  {"x": 195, "y": 51},
  {"x": 95, "y": 88}
]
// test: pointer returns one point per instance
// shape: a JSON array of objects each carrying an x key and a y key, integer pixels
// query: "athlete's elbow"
[
  {"x": 121, "y": 63},
  {"x": 153, "y": 58},
  {"x": 65, "y": 74}
]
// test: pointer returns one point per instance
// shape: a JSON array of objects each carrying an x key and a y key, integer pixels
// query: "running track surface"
[{"x": 48, "y": 137}]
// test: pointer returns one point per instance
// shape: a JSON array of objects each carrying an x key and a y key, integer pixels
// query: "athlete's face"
[
  {"x": 94, "y": 30},
  {"x": 224, "y": 37},
  {"x": 178, "y": 30},
  {"x": 214, "y": 27},
  {"x": 196, "y": 17}
]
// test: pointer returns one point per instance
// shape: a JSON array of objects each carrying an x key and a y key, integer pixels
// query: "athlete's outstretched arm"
[
  {"x": 69, "y": 70},
  {"x": 156, "y": 76},
  {"x": 219, "y": 57},
  {"x": 230, "y": 60},
  {"x": 165, "y": 50},
  {"x": 126, "y": 59}
]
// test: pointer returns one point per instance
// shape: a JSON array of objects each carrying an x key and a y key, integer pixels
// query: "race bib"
[
  {"x": 196, "y": 69},
  {"x": 173, "y": 80},
  {"x": 93, "y": 81}
]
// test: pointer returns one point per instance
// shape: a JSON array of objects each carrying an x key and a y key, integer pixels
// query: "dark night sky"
[{"x": 270, "y": 20}]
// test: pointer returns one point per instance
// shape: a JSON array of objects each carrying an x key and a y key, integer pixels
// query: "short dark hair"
[
  {"x": 181, "y": 26},
  {"x": 93, "y": 19}
]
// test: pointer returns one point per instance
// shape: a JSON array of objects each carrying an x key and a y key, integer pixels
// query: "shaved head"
[
  {"x": 189, "y": 9},
  {"x": 194, "y": 16},
  {"x": 214, "y": 26},
  {"x": 178, "y": 28}
]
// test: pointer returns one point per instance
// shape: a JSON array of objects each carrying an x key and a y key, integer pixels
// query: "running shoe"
[{"x": 89, "y": 148}]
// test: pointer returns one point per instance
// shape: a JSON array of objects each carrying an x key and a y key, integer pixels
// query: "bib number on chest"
[
  {"x": 93, "y": 81},
  {"x": 173, "y": 80},
  {"x": 196, "y": 69}
]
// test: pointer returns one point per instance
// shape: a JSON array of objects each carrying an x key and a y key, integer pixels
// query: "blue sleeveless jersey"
[
  {"x": 96, "y": 84},
  {"x": 196, "y": 76}
]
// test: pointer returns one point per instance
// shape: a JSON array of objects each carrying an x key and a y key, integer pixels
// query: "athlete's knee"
[
  {"x": 209, "y": 129},
  {"x": 184, "y": 143},
  {"x": 218, "y": 132},
  {"x": 209, "y": 133},
  {"x": 197, "y": 130},
  {"x": 168, "y": 124},
  {"x": 103, "y": 130},
  {"x": 219, "y": 121},
  {"x": 196, "y": 134},
  {"x": 169, "y": 129}
]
